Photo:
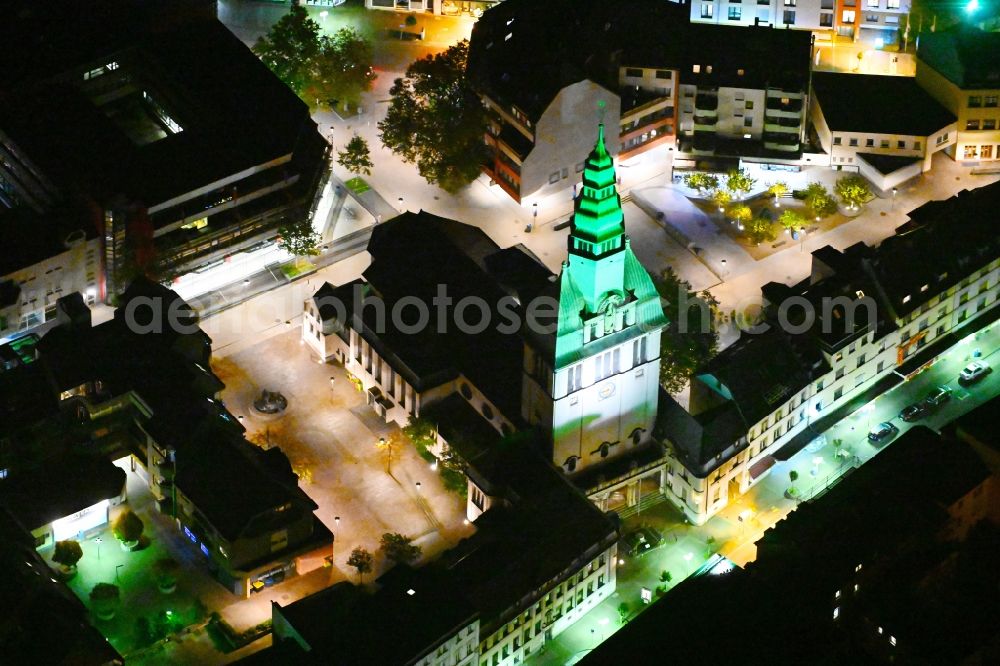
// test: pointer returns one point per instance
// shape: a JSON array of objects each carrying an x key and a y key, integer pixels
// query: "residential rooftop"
[
  {"x": 875, "y": 104},
  {"x": 965, "y": 55}
]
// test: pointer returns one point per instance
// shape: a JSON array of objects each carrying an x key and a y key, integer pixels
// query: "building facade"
[
  {"x": 960, "y": 68},
  {"x": 594, "y": 385},
  {"x": 897, "y": 310}
]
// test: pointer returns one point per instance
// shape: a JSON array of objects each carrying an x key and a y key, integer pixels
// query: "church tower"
[{"x": 595, "y": 382}]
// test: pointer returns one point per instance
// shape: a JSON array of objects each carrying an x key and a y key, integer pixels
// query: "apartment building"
[
  {"x": 881, "y": 307},
  {"x": 887, "y": 143},
  {"x": 708, "y": 91},
  {"x": 142, "y": 389},
  {"x": 815, "y": 15},
  {"x": 42, "y": 270},
  {"x": 126, "y": 123},
  {"x": 960, "y": 68},
  {"x": 867, "y": 20}
]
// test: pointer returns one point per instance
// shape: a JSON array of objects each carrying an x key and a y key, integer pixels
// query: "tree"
[
  {"x": 739, "y": 183},
  {"x": 759, "y": 230},
  {"x": 777, "y": 189},
  {"x": 399, "y": 548},
  {"x": 104, "y": 598},
  {"x": 436, "y": 120},
  {"x": 299, "y": 239},
  {"x": 701, "y": 182},
  {"x": 819, "y": 201},
  {"x": 793, "y": 476},
  {"x": 341, "y": 71},
  {"x": 166, "y": 574},
  {"x": 290, "y": 48},
  {"x": 623, "y": 611},
  {"x": 740, "y": 214},
  {"x": 127, "y": 528},
  {"x": 320, "y": 69},
  {"x": 67, "y": 554},
  {"x": 720, "y": 198},
  {"x": 853, "y": 191},
  {"x": 355, "y": 157},
  {"x": 690, "y": 338},
  {"x": 362, "y": 561},
  {"x": 792, "y": 220}
]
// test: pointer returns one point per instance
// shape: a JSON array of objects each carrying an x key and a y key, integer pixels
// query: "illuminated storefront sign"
[{"x": 81, "y": 521}]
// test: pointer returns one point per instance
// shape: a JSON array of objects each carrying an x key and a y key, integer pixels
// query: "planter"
[
  {"x": 167, "y": 586},
  {"x": 127, "y": 546},
  {"x": 105, "y": 612}
]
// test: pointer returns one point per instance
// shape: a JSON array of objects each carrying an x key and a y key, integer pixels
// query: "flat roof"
[{"x": 878, "y": 104}]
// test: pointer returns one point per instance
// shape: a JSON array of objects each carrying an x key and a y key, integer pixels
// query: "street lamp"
[
  {"x": 401, "y": 205},
  {"x": 893, "y": 204},
  {"x": 723, "y": 276},
  {"x": 417, "y": 484}
]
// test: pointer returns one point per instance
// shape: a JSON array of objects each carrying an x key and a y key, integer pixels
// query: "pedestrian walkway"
[{"x": 692, "y": 227}]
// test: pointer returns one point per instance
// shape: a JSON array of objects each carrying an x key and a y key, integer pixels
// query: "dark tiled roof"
[
  {"x": 887, "y": 164},
  {"x": 519, "y": 549},
  {"x": 233, "y": 483},
  {"x": 966, "y": 56},
  {"x": 345, "y": 625},
  {"x": 60, "y": 488},
  {"x": 414, "y": 254},
  {"x": 556, "y": 43},
  {"x": 44, "y": 622},
  {"x": 878, "y": 104},
  {"x": 932, "y": 250}
]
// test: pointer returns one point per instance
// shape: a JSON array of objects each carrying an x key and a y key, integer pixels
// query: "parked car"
[
  {"x": 974, "y": 372},
  {"x": 882, "y": 432},
  {"x": 913, "y": 412},
  {"x": 639, "y": 541},
  {"x": 938, "y": 396}
]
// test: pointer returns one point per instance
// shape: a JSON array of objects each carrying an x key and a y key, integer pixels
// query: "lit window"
[
  {"x": 857, "y": 568},
  {"x": 836, "y": 612},
  {"x": 892, "y": 640},
  {"x": 411, "y": 591},
  {"x": 906, "y": 299},
  {"x": 696, "y": 69},
  {"x": 924, "y": 288}
]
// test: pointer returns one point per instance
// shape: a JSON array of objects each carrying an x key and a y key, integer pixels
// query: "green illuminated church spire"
[{"x": 597, "y": 236}]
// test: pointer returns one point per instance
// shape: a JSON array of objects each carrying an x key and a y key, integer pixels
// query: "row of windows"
[
  {"x": 979, "y": 101},
  {"x": 900, "y": 144},
  {"x": 981, "y": 123},
  {"x": 983, "y": 152}
]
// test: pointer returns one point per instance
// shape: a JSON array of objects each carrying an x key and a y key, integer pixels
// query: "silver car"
[{"x": 974, "y": 372}]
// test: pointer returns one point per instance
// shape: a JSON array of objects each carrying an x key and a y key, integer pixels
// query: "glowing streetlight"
[{"x": 971, "y": 6}]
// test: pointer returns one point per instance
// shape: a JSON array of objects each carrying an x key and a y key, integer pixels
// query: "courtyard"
[{"x": 331, "y": 437}]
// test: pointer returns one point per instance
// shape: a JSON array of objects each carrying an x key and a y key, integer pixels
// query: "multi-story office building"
[
  {"x": 709, "y": 91},
  {"x": 960, "y": 68},
  {"x": 887, "y": 143},
  {"x": 875, "y": 310},
  {"x": 127, "y": 123}
]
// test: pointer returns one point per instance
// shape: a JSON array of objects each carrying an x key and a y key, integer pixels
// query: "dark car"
[
  {"x": 938, "y": 396},
  {"x": 639, "y": 541},
  {"x": 913, "y": 412},
  {"x": 882, "y": 432}
]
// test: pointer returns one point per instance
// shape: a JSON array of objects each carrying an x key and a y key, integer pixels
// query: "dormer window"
[
  {"x": 924, "y": 288},
  {"x": 859, "y": 293},
  {"x": 696, "y": 69},
  {"x": 906, "y": 299}
]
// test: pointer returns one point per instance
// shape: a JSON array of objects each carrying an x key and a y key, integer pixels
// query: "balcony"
[
  {"x": 705, "y": 120},
  {"x": 784, "y": 104},
  {"x": 704, "y": 102},
  {"x": 781, "y": 138}
]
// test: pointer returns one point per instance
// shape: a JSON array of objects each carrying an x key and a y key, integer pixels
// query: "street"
[{"x": 733, "y": 532}]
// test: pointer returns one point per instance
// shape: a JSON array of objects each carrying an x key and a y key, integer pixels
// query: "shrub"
[
  {"x": 127, "y": 527},
  {"x": 67, "y": 553}
]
